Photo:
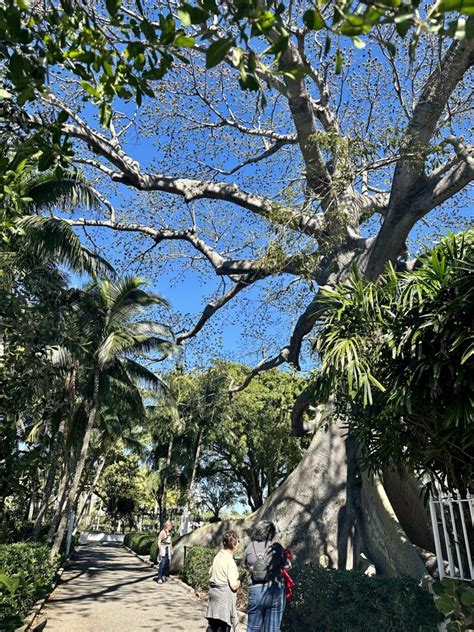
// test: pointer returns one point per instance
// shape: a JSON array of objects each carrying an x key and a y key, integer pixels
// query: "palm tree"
[
  {"x": 32, "y": 246},
  {"x": 111, "y": 335}
]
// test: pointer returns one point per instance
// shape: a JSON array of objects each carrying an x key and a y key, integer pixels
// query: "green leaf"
[
  {"x": 10, "y": 583},
  {"x": 358, "y": 43},
  {"x": 4, "y": 94},
  {"x": 313, "y": 20},
  {"x": 217, "y": 51},
  {"x": 113, "y": 6},
  {"x": 467, "y": 598},
  {"x": 184, "y": 41},
  {"x": 89, "y": 88},
  {"x": 192, "y": 15},
  {"x": 465, "y": 7},
  {"x": 295, "y": 73},
  {"x": 105, "y": 113},
  {"x": 338, "y": 62},
  {"x": 444, "y": 604},
  {"x": 62, "y": 117}
]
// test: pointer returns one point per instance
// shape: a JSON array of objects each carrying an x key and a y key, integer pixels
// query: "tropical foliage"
[
  {"x": 70, "y": 34},
  {"x": 399, "y": 354},
  {"x": 348, "y": 600},
  {"x": 26, "y": 574}
]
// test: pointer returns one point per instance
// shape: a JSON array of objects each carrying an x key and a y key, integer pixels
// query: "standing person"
[
  {"x": 265, "y": 558},
  {"x": 165, "y": 549},
  {"x": 224, "y": 583}
]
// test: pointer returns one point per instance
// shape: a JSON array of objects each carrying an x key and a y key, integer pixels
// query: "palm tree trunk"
[
  {"x": 51, "y": 476},
  {"x": 197, "y": 454},
  {"x": 91, "y": 489},
  {"x": 164, "y": 486},
  {"x": 76, "y": 481},
  {"x": 61, "y": 496},
  {"x": 192, "y": 482}
]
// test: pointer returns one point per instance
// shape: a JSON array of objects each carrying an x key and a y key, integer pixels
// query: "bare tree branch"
[{"x": 211, "y": 308}]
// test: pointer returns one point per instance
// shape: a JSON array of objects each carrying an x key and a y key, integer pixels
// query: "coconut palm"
[{"x": 107, "y": 319}]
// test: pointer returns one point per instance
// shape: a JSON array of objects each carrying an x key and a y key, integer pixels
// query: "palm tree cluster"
[{"x": 70, "y": 370}]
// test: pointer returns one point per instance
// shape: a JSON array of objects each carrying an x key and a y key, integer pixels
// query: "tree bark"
[
  {"x": 164, "y": 484},
  {"x": 51, "y": 477},
  {"x": 310, "y": 511},
  {"x": 76, "y": 480},
  {"x": 91, "y": 489}
]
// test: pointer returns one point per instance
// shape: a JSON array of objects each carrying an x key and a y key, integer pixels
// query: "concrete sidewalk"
[{"x": 106, "y": 589}]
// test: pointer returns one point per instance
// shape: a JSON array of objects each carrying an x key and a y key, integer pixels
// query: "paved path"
[{"x": 107, "y": 589}]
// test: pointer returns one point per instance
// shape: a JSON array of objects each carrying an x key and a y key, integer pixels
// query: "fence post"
[{"x": 439, "y": 552}]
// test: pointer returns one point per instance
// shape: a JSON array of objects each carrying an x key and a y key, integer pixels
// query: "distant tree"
[
  {"x": 248, "y": 438},
  {"x": 218, "y": 492}
]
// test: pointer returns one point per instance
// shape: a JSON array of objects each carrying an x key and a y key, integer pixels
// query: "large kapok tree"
[{"x": 337, "y": 165}]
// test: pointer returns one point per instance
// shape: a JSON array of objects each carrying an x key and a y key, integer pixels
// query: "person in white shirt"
[
  {"x": 224, "y": 583},
  {"x": 165, "y": 548}
]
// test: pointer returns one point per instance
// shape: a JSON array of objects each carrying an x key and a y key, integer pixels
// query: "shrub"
[
  {"x": 154, "y": 551},
  {"x": 337, "y": 601},
  {"x": 196, "y": 567},
  {"x": 31, "y": 564},
  {"x": 139, "y": 542},
  {"x": 13, "y": 529}
]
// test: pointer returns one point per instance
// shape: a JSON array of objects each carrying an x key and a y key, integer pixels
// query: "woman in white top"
[
  {"x": 224, "y": 583},
  {"x": 165, "y": 548}
]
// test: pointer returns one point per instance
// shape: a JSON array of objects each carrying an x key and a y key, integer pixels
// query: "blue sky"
[{"x": 253, "y": 324}]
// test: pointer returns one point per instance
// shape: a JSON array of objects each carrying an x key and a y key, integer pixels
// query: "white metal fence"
[{"x": 453, "y": 530}]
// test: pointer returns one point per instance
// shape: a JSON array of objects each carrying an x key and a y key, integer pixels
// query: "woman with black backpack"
[{"x": 265, "y": 558}]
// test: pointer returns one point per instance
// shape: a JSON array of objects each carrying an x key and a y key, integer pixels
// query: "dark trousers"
[
  {"x": 216, "y": 625},
  {"x": 164, "y": 566}
]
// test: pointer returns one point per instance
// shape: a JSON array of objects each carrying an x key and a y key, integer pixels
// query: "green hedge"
[
  {"x": 154, "y": 551},
  {"x": 338, "y": 601},
  {"x": 195, "y": 570},
  {"x": 140, "y": 542},
  {"x": 27, "y": 568}
]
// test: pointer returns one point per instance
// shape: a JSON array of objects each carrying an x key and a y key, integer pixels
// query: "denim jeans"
[
  {"x": 266, "y": 606},
  {"x": 163, "y": 568}
]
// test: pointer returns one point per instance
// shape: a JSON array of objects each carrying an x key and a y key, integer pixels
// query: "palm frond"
[
  {"x": 68, "y": 193},
  {"x": 52, "y": 239},
  {"x": 139, "y": 373},
  {"x": 150, "y": 327}
]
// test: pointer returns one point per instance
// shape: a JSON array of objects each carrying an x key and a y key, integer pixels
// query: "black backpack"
[{"x": 260, "y": 568}]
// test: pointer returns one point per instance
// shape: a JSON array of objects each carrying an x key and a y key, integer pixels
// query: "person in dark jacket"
[{"x": 265, "y": 558}]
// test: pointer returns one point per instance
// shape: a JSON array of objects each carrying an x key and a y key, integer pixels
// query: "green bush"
[
  {"x": 338, "y": 601},
  {"x": 139, "y": 542},
  {"x": 31, "y": 564},
  {"x": 13, "y": 529},
  {"x": 196, "y": 567},
  {"x": 154, "y": 551}
]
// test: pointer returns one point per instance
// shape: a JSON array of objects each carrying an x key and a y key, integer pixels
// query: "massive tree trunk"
[{"x": 314, "y": 510}]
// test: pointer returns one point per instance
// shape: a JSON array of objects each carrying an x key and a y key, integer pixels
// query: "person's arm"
[
  {"x": 160, "y": 538},
  {"x": 233, "y": 576}
]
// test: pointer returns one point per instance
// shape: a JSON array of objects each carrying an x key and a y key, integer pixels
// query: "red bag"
[{"x": 289, "y": 583}]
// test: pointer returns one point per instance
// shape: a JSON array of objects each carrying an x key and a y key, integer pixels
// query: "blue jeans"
[
  {"x": 266, "y": 606},
  {"x": 163, "y": 568}
]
